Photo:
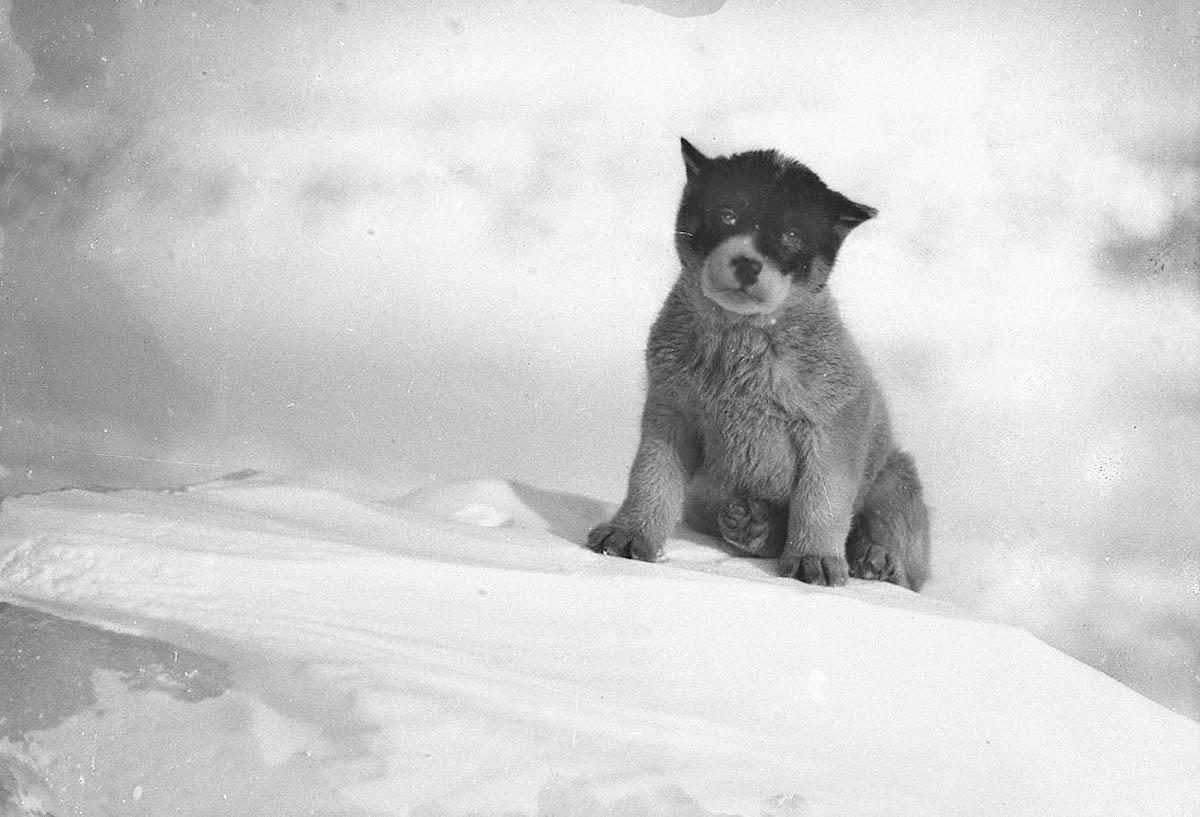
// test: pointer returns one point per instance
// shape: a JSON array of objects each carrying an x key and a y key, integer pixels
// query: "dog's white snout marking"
[{"x": 740, "y": 279}]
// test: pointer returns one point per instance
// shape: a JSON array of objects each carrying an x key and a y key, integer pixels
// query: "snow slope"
[
  {"x": 353, "y": 237},
  {"x": 456, "y": 651}
]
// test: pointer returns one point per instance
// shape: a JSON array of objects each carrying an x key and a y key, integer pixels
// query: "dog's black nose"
[{"x": 746, "y": 269}]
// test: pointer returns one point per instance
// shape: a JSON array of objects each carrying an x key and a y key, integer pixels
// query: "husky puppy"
[{"x": 763, "y": 424}]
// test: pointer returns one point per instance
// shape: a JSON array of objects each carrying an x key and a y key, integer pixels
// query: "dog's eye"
[
  {"x": 728, "y": 217},
  {"x": 791, "y": 237}
]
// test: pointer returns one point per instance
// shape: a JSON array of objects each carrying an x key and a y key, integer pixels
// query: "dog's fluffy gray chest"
[{"x": 744, "y": 406}]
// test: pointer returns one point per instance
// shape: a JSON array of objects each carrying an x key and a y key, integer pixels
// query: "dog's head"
[{"x": 758, "y": 228}]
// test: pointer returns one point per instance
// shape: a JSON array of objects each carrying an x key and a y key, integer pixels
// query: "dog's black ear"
[
  {"x": 849, "y": 214},
  {"x": 693, "y": 160},
  {"x": 846, "y": 215}
]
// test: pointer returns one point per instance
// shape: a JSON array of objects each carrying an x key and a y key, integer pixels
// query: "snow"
[
  {"x": 494, "y": 667},
  {"x": 406, "y": 255}
]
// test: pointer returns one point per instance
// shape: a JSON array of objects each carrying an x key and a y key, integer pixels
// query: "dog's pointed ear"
[
  {"x": 846, "y": 215},
  {"x": 693, "y": 160}
]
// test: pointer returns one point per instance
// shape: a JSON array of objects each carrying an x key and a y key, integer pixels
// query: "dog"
[{"x": 763, "y": 424}]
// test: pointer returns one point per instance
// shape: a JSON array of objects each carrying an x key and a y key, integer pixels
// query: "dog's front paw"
[
  {"x": 614, "y": 540},
  {"x": 746, "y": 524},
  {"x": 830, "y": 571}
]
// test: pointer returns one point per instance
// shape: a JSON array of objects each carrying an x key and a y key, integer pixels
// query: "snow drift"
[
  {"x": 457, "y": 651},
  {"x": 342, "y": 239},
  {"x": 355, "y": 238}
]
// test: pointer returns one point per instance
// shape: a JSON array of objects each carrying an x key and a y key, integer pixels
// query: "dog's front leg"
[
  {"x": 820, "y": 511},
  {"x": 665, "y": 461}
]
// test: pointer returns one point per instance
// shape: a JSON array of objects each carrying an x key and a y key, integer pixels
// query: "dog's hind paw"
[
  {"x": 746, "y": 524},
  {"x": 877, "y": 563}
]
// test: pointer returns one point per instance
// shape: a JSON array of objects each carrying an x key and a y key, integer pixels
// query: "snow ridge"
[{"x": 490, "y": 664}]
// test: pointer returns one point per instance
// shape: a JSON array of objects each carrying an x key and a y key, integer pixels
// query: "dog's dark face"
[{"x": 758, "y": 228}]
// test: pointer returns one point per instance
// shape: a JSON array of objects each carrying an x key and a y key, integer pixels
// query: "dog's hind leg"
[
  {"x": 753, "y": 526},
  {"x": 889, "y": 537}
]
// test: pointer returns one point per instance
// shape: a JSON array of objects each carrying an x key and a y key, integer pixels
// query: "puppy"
[{"x": 763, "y": 424}]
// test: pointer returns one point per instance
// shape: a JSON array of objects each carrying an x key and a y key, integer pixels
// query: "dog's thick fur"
[{"x": 763, "y": 424}]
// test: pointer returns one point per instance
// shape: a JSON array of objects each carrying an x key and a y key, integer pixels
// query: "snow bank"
[
  {"x": 452, "y": 653},
  {"x": 342, "y": 239}
]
